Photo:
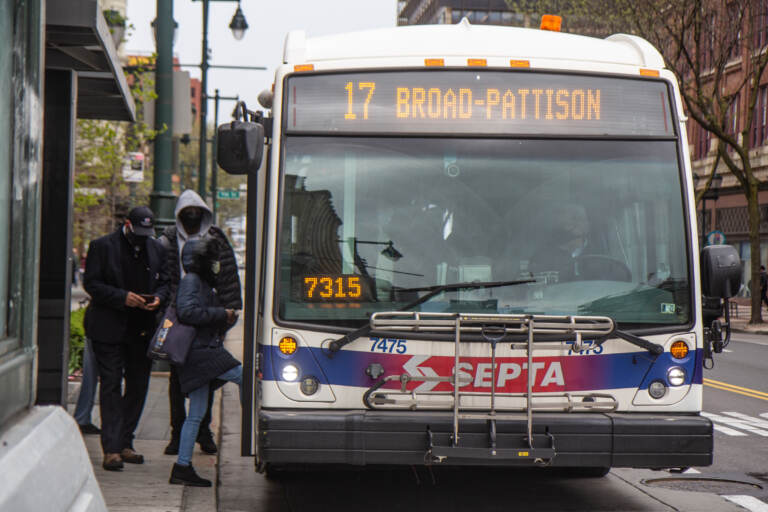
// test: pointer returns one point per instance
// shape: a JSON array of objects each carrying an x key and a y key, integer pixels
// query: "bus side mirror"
[
  {"x": 240, "y": 147},
  {"x": 720, "y": 271}
]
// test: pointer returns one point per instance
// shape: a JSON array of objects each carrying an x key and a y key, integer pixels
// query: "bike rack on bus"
[{"x": 492, "y": 328}]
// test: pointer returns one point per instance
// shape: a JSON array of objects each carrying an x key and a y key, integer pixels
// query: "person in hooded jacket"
[
  {"x": 208, "y": 363},
  {"x": 194, "y": 221}
]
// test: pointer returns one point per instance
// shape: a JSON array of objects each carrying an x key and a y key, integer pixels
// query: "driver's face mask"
[{"x": 215, "y": 267}]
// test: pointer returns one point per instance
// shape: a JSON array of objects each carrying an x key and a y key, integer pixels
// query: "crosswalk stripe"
[
  {"x": 691, "y": 471},
  {"x": 748, "y": 502},
  {"x": 726, "y": 430},
  {"x": 732, "y": 422},
  {"x": 764, "y": 414},
  {"x": 757, "y": 422}
]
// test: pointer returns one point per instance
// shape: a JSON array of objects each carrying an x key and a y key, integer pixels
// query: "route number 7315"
[{"x": 388, "y": 345}]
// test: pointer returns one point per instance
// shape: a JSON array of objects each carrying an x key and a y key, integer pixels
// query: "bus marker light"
[
  {"x": 309, "y": 385},
  {"x": 679, "y": 349},
  {"x": 551, "y": 22},
  {"x": 657, "y": 389},
  {"x": 304, "y": 67},
  {"x": 290, "y": 373},
  {"x": 477, "y": 62},
  {"x": 434, "y": 62},
  {"x": 649, "y": 72},
  {"x": 520, "y": 63},
  {"x": 676, "y": 376},
  {"x": 288, "y": 345}
]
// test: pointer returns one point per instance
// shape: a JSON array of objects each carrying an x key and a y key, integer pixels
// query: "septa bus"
[{"x": 474, "y": 245}]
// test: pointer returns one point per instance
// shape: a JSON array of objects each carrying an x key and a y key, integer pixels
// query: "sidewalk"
[
  {"x": 145, "y": 487},
  {"x": 740, "y": 313}
]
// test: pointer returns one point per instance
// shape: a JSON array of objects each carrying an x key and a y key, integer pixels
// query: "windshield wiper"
[
  {"x": 653, "y": 348},
  {"x": 434, "y": 290}
]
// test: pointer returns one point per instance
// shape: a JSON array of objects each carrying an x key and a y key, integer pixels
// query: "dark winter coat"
[
  {"x": 106, "y": 319},
  {"x": 197, "y": 304},
  {"x": 228, "y": 281}
]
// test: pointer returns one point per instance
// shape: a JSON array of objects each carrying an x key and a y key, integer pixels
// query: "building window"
[
  {"x": 732, "y": 119},
  {"x": 761, "y": 24},
  {"x": 701, "y": 142},
  {"x": 735, "y": 15},
  {"x": 759, "y": 119}
]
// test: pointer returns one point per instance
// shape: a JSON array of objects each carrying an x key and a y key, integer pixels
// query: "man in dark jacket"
[
  {"x": 124, "y": 275},
  {"x": 194, "y": 221}
]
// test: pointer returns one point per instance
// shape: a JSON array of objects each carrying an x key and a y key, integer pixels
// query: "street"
[
  {"x": 736, "y": 399},
  {"x": 741, "y": 452}
]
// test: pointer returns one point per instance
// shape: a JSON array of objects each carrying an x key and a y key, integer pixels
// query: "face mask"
[
  {"x": 190, "y": 218},
  {"x": 137, "y": 241},
  {"x": 215, "y": 267}
]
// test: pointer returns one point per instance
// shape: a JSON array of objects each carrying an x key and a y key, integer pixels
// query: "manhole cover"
[{"x": 702, "y": 484}]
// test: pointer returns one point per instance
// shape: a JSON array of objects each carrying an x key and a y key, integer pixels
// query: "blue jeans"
[
  {"x": 87, "y": 386},
  {"x": 198, "y": 403}
]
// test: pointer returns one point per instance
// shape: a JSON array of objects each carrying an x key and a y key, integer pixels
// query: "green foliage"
[
  {"x": 76, "y": 339},
  {"x": 101, "y": 196}
]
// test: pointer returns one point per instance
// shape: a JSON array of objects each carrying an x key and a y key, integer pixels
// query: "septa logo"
[{"x": 510, "y": 374}]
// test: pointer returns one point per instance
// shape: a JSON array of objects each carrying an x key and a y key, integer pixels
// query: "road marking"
[
  {"x": 691, "y": 471},
  {"x": 754, "y": 421},
  {"x": 735, "y": 423},
  {"x": 727, "y": 431},
  {"x": 752, "y": 393},
  {"x": 727, "y": 351},
  {"x": 748, "y": 502}
]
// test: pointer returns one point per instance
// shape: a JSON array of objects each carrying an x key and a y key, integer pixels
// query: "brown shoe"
[
  {"x": 112, "y": 462},
  {"x": 130, "y": 456}
]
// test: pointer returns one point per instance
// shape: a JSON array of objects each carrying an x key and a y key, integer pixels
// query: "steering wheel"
[{"x": 601, "y": 267}]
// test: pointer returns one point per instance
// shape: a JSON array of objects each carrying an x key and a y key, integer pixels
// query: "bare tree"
[{"x": 717, "y": 50}]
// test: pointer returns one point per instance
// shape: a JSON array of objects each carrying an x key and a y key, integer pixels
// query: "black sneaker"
[
  {"x": 89, "y": 428},
  {"x": 173, "y": 447},
  {"x": 185, "y": 475},
  {"x": 205, "y": 440}
]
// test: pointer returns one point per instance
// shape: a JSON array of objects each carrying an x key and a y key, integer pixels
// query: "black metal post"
[
  {"x": 203, "y": 106},
  {"x": 214, "y": 140},
  {"x": 162, "y": 199}
]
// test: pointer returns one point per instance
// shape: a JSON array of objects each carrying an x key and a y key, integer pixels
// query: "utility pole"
[
  {"x": 162, "y": 200},
  {"x": 214, "y": 165},
  {"x": 202, "y": 178}
]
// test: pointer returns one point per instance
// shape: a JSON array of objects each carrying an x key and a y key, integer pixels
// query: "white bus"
[{"x": 477, "y": 245}]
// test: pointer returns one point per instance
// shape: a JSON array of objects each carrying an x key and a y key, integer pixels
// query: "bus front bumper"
[{"x": 410, "y": 437}]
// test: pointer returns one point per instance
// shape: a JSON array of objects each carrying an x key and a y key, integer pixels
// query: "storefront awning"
[{"x": 77, "y": 37}]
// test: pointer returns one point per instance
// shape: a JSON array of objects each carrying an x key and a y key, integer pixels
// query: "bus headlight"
[
  {"x": 290, "y": 373},
  {"x": 309, "y": 385},
  {"x": 676, "y": 376},
  {"x": 657, "y": 389}
]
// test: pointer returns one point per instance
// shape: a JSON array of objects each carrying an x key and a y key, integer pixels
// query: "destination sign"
[{"x": 477, "y": 102}]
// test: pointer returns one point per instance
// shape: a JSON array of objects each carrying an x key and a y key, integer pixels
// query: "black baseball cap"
[{"x": 143, "y": 221}]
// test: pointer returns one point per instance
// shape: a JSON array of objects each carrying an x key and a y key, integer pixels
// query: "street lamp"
[{"x": 238, "y": 27}]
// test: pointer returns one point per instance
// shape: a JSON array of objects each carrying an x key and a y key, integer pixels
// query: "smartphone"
[{"x": 149, "y": 299}]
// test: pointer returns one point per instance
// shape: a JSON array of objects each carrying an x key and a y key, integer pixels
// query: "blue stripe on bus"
[{"x": 580, "y": 372}]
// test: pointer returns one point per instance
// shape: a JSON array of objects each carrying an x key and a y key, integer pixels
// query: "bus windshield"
[{"x": 599, "y": 225}]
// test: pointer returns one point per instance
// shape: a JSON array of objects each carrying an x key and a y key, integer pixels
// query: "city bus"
[{"x": 474, "y": 245}]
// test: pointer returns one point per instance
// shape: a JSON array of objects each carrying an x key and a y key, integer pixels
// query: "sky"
[{"x": 268, "y": 23}]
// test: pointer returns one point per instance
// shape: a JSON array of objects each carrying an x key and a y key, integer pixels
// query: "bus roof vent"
[
  {"x": 295, "y": 47},
  {"x": 464, "y": 23}
]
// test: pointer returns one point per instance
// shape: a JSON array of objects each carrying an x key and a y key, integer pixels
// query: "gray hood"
[{"x": 191, "y": 198}]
